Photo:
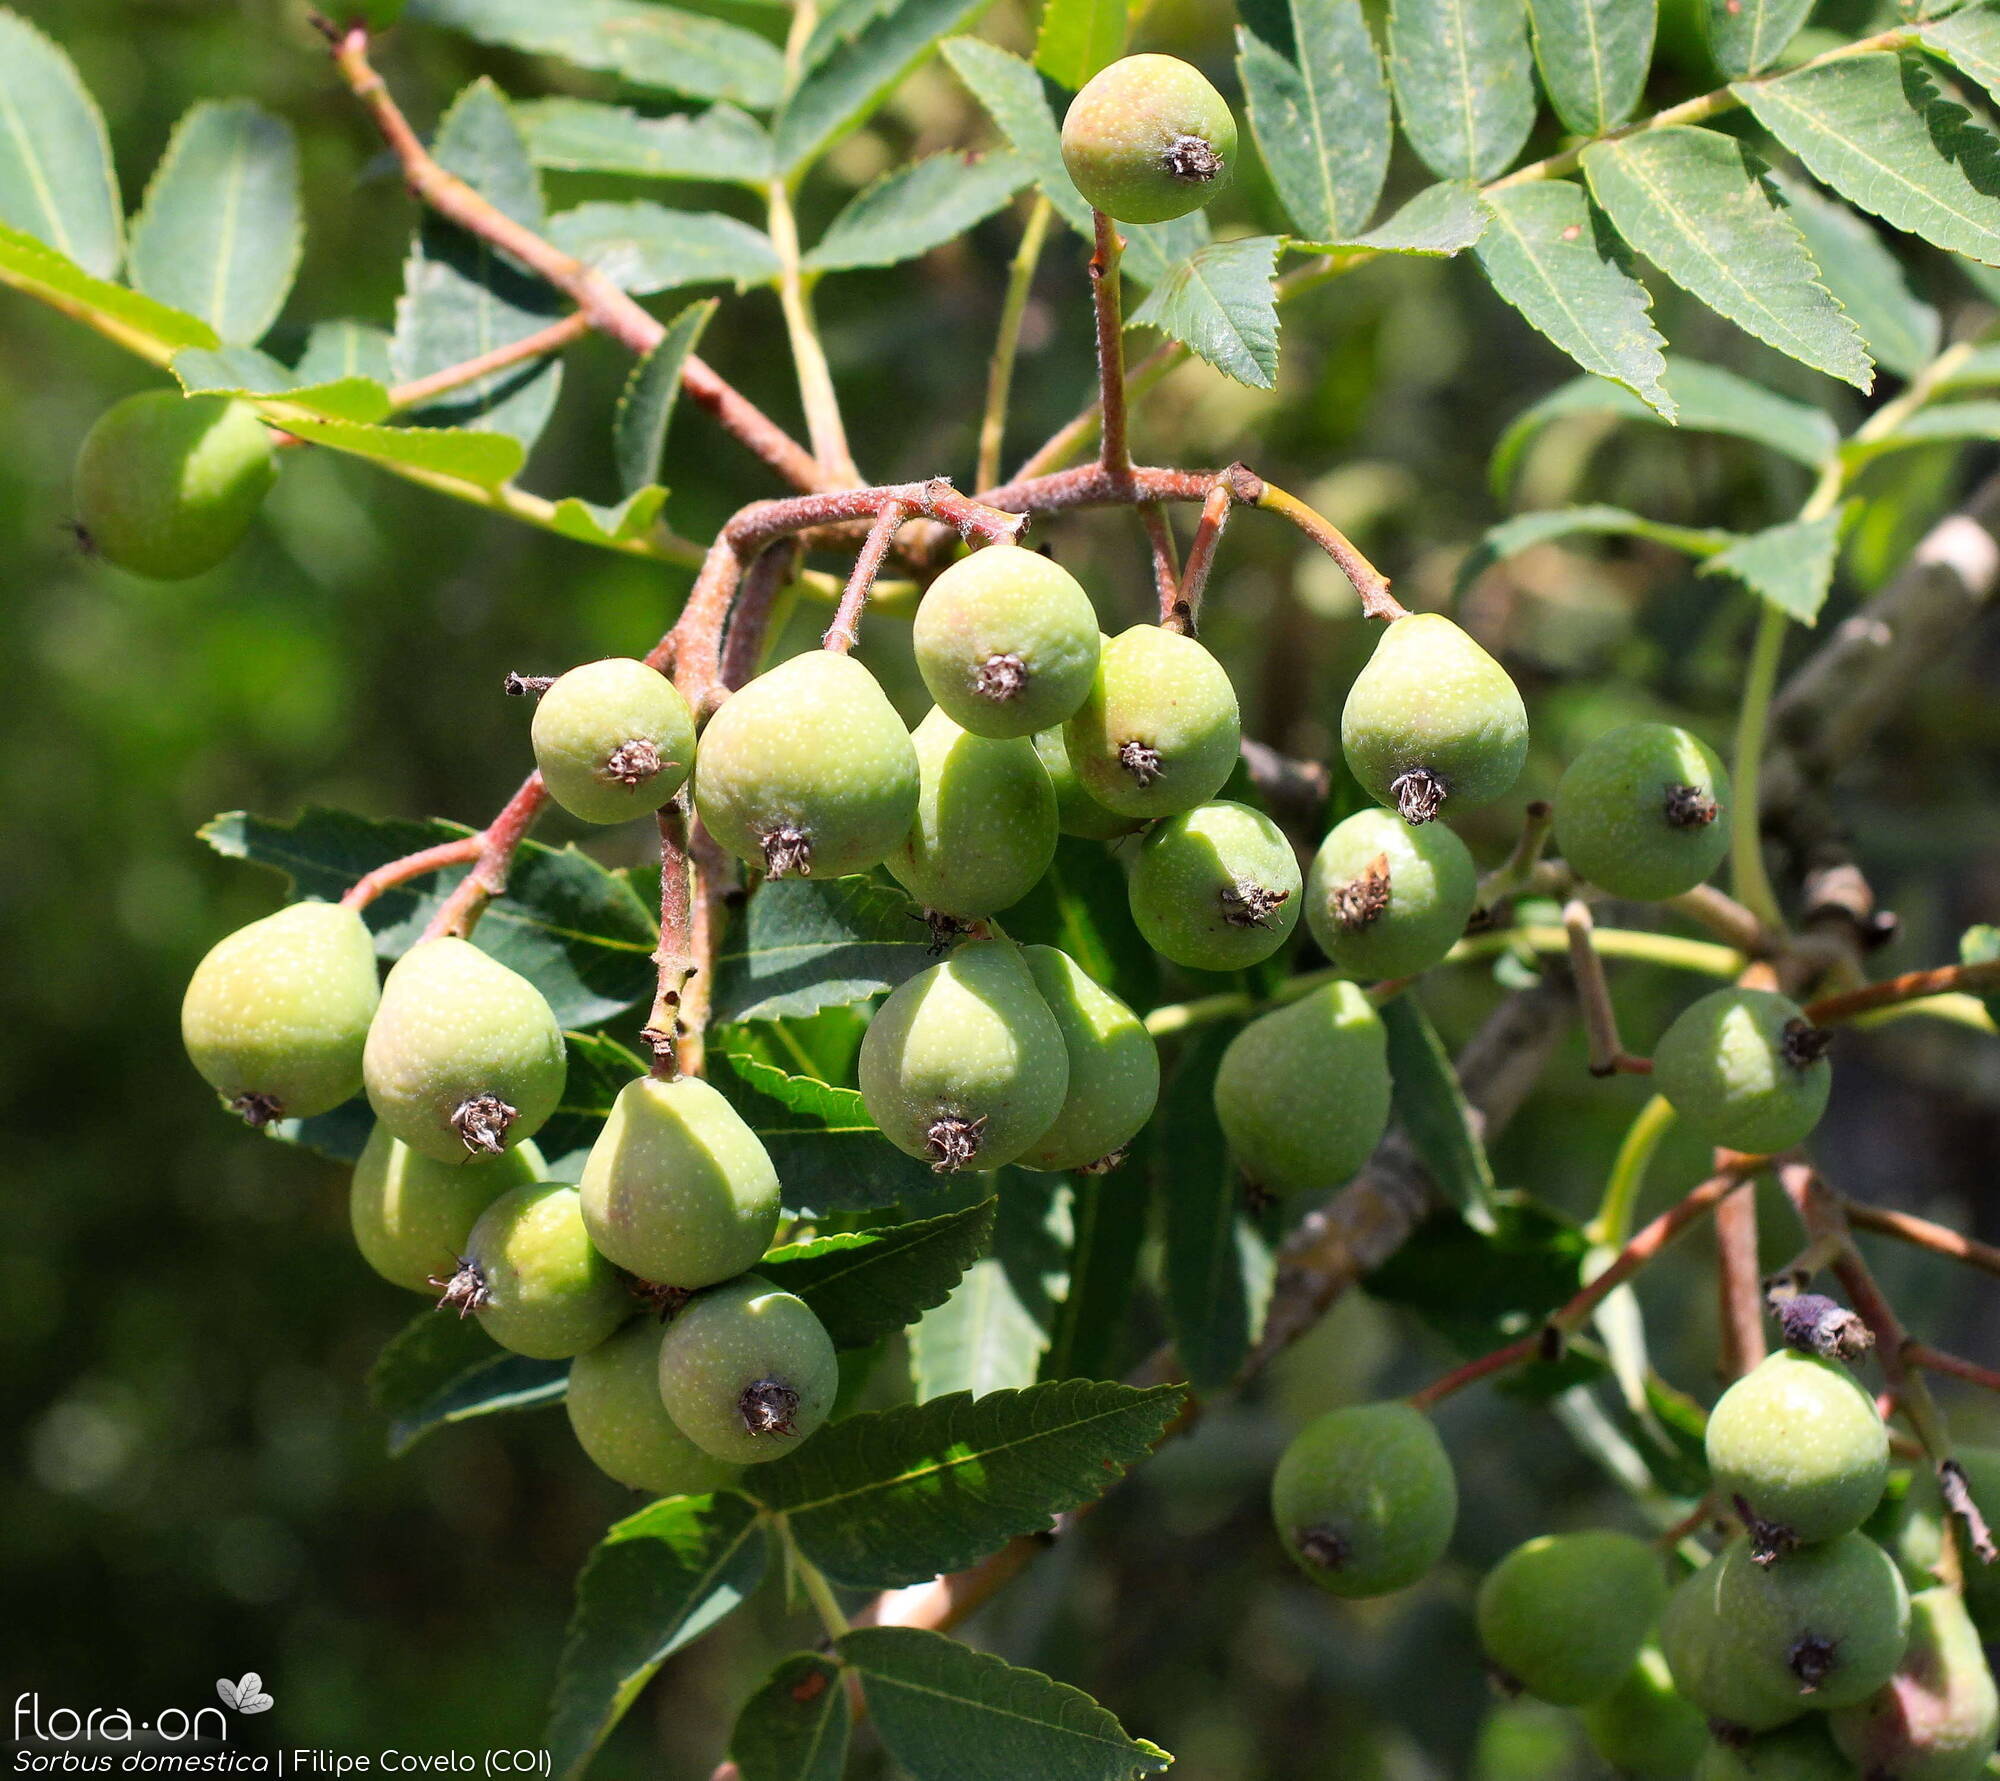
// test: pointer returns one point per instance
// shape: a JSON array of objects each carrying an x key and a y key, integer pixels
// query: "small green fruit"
[
  {"x": 1077, "y": 812},
  {"x": 964, "y": 1065},
  {"x": 275, "y": 1017},
  {"x": 1919, "y": 1541},
  {"x": 1433, "y": 718},
  {"x": 1148, "y": 139},
  {"x": 1800, "y": 1450},
  {"x": 1386, "y": 900},
  {"x": 167, "y": 485},
  {"x": 1801, "y": 1752},
  {"x": 1007, "y": 641},
  {"x": 1642, "y": 1728},
  {"x": 532, "y": 1278},
  {"x": 1160, "y": 731},
  {"x": 1938, "y": 1716},
  {"x": 1825, "y": 1625},
  {"x": 1701, "y": 1652},
  {"x": 1644, "y": 812},
  {"x": 1564, "y": 1616},
  {"x": 1216, "y": 888},
  {"x": 747, "y": 1371},
  {"x": 808, "y": 770},
  {"x": 1114, "y": 1068},
  {"x": 985, "y": 829},
  {"x": 677, "y": 1188},
  {"x": 1745, "y": 1068},
  {"x": 614, "y": 1406},
  {"x": 1303, "y": 1092},
  {"x": 613, "y": 739},
  {"x": 1364, "y": 1499},
  {"x": 464, "y": 1058},
  {"x": 412, "y": 1216}
]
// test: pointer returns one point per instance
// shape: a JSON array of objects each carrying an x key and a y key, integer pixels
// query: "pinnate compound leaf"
[
  {"x": 1434, "y": 1114},
  {"x": 992, "y": 1332},
  {"x": 1748, "y": 36},
  {"x": 913, "y": 209},
  {"x": 1078, "y": 37},
  {"x": 803, "y": 944},
  {"x": 645, "y": 247},
  {"x": 796, "y": 1726},
  {"x": 949, "y": 1713},
  {"x": 57, "y": 182},
  {"x": 1441, "y": 220},
  {"x": 646, "y": 405},
  {"x": 1465, "y": 82},
  {"x": 657, "y": 1580},
  {"x": 1855, "y": 264},
  {"x": 867, "y": 1284},
  {"x": 1524, "y": 530},
  {"x": 487, "y": 460},
  {"x": 1222, "y": 305},
  {"x": 1791, "y": 565},
  {"x": 890, "y": 1497},
  {"x": 1593, "y": 56},
  {"x": 583, "y": 136},
  {"x": 245, "y": 371},
  {"x": 441, "y": 1368}
]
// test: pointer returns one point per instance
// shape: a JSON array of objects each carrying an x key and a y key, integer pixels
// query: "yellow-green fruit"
[
  {"x": 1077, "y": 812},
  {"x": 275, "y": 1017},
  {"x": 1006, "y": 641},
  {"x": 964, "y": 1065},
  {"x": 1114, "y": 1067},
  {"x": 1824, "y": 1625},
  {"x": 677, "y": 1188},
  {"x": 167, "y": 485},
  {"x": 1564, "y": 1616},
  {"x": 1644, "y": 812},
  {"x": 1938, "y": 1716},
  {"x": 1702, "y": 1655},
  {"x": 464, "y": 1057},
  {"x": 808, "y": 770},
  {"x": 1433, "y": 721},
  {"x": 1364, "y": 1499},
  {"x": 1216, "y": 888},
  {"x": 1799, "y": 1449},
  {"x": 613, "y": 739},
  {"x": 532, "y": 1278},
  {"x": 1802, "y": 1752},
  {"x": 747, "y": 1372},
  {"x": 1159, "y": 732},
  {"x": 620, "y": 1422},
  {"x": 1919, "y": 1541},
  {"x": 1642, "y": 1728},
  {"x": 985, "y": 829},
  {"x": 1303, "y": 1092},
  {"x": 1148, "y": 139},
  {"x": 1387, "y": 900},
  {"x": 411, "y": 1216},
  {"x": 1745, "y": 1068}
]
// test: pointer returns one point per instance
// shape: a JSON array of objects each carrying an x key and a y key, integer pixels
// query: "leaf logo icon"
[{"x": 246, "y": 1695}]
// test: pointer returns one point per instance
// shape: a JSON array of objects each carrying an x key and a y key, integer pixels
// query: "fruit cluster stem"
[
  {"x": 491, "y": 853},
  {"x": 1911, "y": 986},
  {"x": 1923, "y": 1234},
  {"x": 1186, "y": 609},
  {"x": 1114, "y": 449},
  {"x": 845, "y": 631},
  {"x": 1369, "y": 582},
  {"x": 1166, "y": 563},
  {"x": 675, "y": 955},
  {"x": 1608, "y": 1056}
]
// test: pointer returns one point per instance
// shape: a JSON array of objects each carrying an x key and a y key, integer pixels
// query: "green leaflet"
[
  {"x": 442, "y": 1369},
  {"x": 1465, "y": 84},
  {"x": 1901, "y": 330},
  {"x": 867, "y": 1284},
  {"x": 1748, "y": 36},
  {"x": 913, "y": 209},
  {"x": 1593, "y": 56},
  {"x": 645, "y": 247},
  {"x": 582, "y": 136},
  {"x": 152, "y": 328},
  {"x": 795, "y": 1727},
  {"x": 993, "y": 1330},
  {"x": 1791, "y": 565},
  {"x": 803, "y": 944},
  {"x": 57, "y": 182},
  {"x": 1221, "y": 304},
  {"x": 1078, "y": 37},
  {"x": 244, "y": 371},
  {"x": 1432, "y": 1110},
  {"x": 1511, "y": 536},
  {"x": 646, "y": 404},
  {"x": 337, "y": 350},
  {"x": 1970, "y": 41}
]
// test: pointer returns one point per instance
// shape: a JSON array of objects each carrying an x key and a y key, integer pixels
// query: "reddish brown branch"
[
  {"x": 1114, "y": 452},
  {"x": 1912, "y": 986},
  {"x": 543, "y": 341},
  {"x": 1166, "y": 562},
  {"x": 1215, "y": 513},
  {"x": 1739, "y": 1288},
  {"x": 498, "y": 842},
  {"x": 845, "y": 631},
  {"x": 1925, "y": 1235},
  {"x": 675, "y": 955},
  {"x": 366, "y": 889}
]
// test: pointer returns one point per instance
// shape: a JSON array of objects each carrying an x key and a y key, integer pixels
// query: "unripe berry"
[
  {"x": 616, "y": 1412},
  {"x": 532, "y": 1278},
  {"x": 1745, "y": 1068},
  {"x": 1564, "y": 1616},
  {"x": 1216, "y": 888},
  {"x": 1077, "y": 812},
  {"x": 1364, "y": 1499},
  {"x": 1159, "y": 732},
  {"x": 747, "y": 1371},
  {"x": 464, "y": 1058},
  {"x": 167, "y": 485},
  {"x": 1148, "y": 139},
  {"x": 1644, "y": 812},
  {"x": 808, "y": 770},
  {"x": 1798, "y": 1447},
  {"x": 1433, "y": 719},
  {"x": 1824, "y": 1626},
  {"x": 1007, "y": 641},
  {"x": 1386, "y": 900},
  {"x": 1937, "y": 1718},
  {"x": 1801, "y": 1752},
  {"x": 412, "y": 1216},
  {"x": 1303, "y": 1092},
  {"x": 1701, "y": 1652},
  {"x": 1114, "y": 1068},
  {"x": 275, "y": 1017},
  {"x": 677, "y": 1188},
  {"x": 1642, "y": 1728},
  {"x": 985, "y": 829},
  {"x": 613, "y": 739},
  {"x": 964, "y": 1065}
]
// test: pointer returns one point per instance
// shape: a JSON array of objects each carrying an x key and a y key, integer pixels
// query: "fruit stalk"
[
  {"x": 845, "y": 631},
  {"x": 1925, "y": 1235},
  {"x": 1608, "y": 1056},
  {"x": 1911, "y": 986},
  {"x": 498, "y": 842},
  {"x": 1114, "y": 450},
  {"x": 1181, "y": 614},
  {"x": 675, "y": 955},
  {"x": 1369, "y": 582},
  {"x": 1739, "y": 1288},
  {"x": 1166, "y": 562},
  {"x": 1520, "y": 868}
]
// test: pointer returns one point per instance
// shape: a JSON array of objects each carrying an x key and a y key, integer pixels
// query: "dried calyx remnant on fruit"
[
  {"x": 1643, "y": 812},
  {"x": 747, "y": 1372},
  {"x": 1364, "y": 1499},
  {"x": 532, "y": 1277},
  {"x": 1746, "y": 1069},
  {"x": 1007, "y": 642},
  {"x": 1384, "y": 899},
  {"x": 1216, "y": 888},
  {"x": 613, "y": 740},
  {"x": 1159, "y": 730},
  {"x": 1148, "y": 139}
]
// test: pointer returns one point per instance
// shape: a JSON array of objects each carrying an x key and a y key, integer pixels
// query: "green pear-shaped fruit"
[
  {"x": 167, "y": 485},
  {"x": 1077, "y": 812},
  {"x": 964, "y": 1065},
  {"x": 1433, "y": 720},
  {"x": 985, "y": 830},
  {"x": 677, "y": 1188},
  {"x": 747, "y": 1371},
  {"x": 1644, "y": 812},
  {"x": 412, "y": 1216},
  {"x": 464, "y": 1057},
  {"x": 1216, "y": 888},
  {"x": 1160, "y": 731},
  {"x": 1825, "y": 1625},
  {"x": 1937, "y": 1718},
  {"x": 1564, "y": 1616},
  {"x": 1303, "y": 1092},
  {"x": 1701, "y": 1652},
  {"x": 1006, "y": 641},
  {"x": 1386, "y": 900},
  {"x": 531, "y": 1276},
  {"x": 275, "y": 1017},
  {"x": 613, "y": 739},
  {"x": 808, "y": 770},
  {"x": 1114, "y": 1067},
  {"x": 620, "y": 1421},
  {"x": 1148, "y": 139},
  {"x": 1642, "y": 1728},
  {"x": 1745, "y": 1068},
  {"x": 1919, "y": 1533},
  {"x": 1364, "y": 1499},
  {"x": 1801, "y": 1752}
]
